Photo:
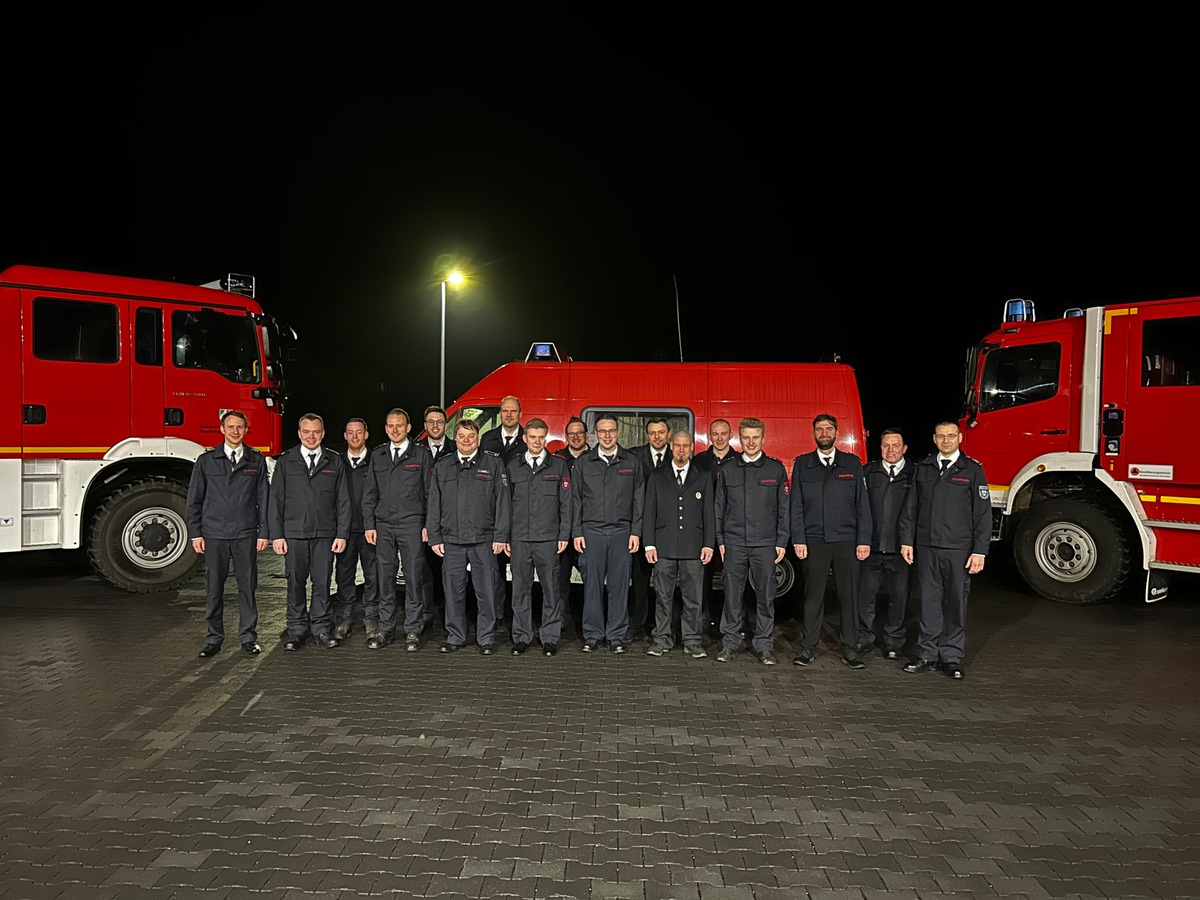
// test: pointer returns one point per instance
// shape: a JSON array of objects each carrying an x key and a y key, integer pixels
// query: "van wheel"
[
  {"x": 1072, "y": 551},
  {"x": 138, "y": 539}
]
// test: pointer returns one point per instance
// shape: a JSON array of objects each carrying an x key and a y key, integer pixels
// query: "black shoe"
[
  {"x": 487, "y": 649},
  {"x": 292, "y": 644},
  {"x": 450, "y": 648},
  {"x": 341, "y": 632},
  {"x": 519, "y": 648},
  {"x": 325, "y": 641},
  {"x": 920, "y": 665},
  {"x": 953, "y": 670},
  {"x": 590, "y": 646},
  {"x": 412, "y": 642},
  {"x": 804, "y": 659},
  {"x": 380, "y": 641},
  {"x": 617, "y": 647},
  {"x": 891, "y": 654},
  {"x": 549, "y": 649},
  {"x": 209, "y": 650},
  {"x": 854, "y": 662},
  {"x": 252, "y": 648}
]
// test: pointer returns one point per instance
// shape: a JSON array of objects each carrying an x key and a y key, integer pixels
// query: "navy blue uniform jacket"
[
  {"x": 951, "y": 511},
  {"x": 227, "y": 503},
  {"x": 680, "y": 521},
  {"x": 304, "y": 506},
  {"x": 541, "y": 500},
  {"x": 752, "y": 503},
  {"x": 829, "y": 503}
]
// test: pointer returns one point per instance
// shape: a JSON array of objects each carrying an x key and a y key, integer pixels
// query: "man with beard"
[{"x": 831, "y": 526}]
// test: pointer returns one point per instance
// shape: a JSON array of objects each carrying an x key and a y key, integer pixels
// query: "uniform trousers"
[
  {"x": 842, "y": 557},
  {"x": 218, "y": 554},
  {"x": 756, "y": 565},
  {"x": 393, "y": 544},
  {"x": 357, "y": 551},
  {"x": 308, "y": 559},
  {"x": 688, "y": 575},
  {"x": 944, "y": 587},
  {"x": 607, "y": 572},
  {"x": 890, "y": 571},
  {"x": 544, "y": 558},
  {"x": 454, "y": 583}
]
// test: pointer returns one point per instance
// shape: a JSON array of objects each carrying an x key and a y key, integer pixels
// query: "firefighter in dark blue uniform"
[
  {"x": 310, "y": 519},
  {"x": 831, "y": 527},
  {"x": 540, "y": 484},
  {"x": 506, "y": 441},
  {"x": 394, "y": 507},
  {"x": 577, "y": 445},
  {"x": 227, "y": 521},
  {"x": 608, "y": 492},
  {"x": 888, "y": 482},
  {"x": 358, "y": 549},
  {"x": 946, "y": 526},
  {"x": 468, "y": 523},
  {"x": 752, "y": 505}
]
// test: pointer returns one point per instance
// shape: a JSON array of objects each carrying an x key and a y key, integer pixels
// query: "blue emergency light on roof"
[
  {"x": 543, "y": 352},
  {"x": 1018, "y": 310}
]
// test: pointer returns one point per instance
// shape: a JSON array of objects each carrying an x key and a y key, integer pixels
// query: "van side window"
[
  {"x": 1171, "y": 352},
  {"x": 75, "y": 330},
  {"x": 1014, "y": 376},
  {"x": 631, "y": 422}
]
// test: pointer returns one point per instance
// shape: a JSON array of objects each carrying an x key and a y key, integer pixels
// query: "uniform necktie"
[
  {"x": 507, "y": 441},
  {"x": 233, "y": 458},
  {"x": 535, "y": 462},
  {"x": 891, "y": 471},
  {"x": 657, "y": 460},
  {"x": 395, "y": 454},
  {"x": 607, "y": 458},
  {"x": 312, "y": 463},
  {"x": 828, "y": 460},
  {"x": 466, "y": 461},
  {"x": 679, "y": 477},
  {"x": 945, "y": 466}
]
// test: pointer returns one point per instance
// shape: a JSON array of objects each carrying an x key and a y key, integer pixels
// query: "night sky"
[{"x": 869, "y": 186}]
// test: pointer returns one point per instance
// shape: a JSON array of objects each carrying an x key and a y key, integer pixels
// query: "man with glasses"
[
  {"x": 606, "y": 522},
  {"x": 577, "y": 445},
  {"x": 946, "y": 526}
]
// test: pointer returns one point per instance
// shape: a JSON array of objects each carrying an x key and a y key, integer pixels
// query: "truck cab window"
[
  {"x": 75, "y": 331},
  {"x": 1015, "y": 376},
  {"x": 225, "y": 344},
  {"x": 147, "y": 340},
  {"x": 1171, "y": 352}
]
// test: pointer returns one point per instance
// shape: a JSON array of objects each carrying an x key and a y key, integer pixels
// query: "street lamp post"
[{"x": 453, "y": 278}]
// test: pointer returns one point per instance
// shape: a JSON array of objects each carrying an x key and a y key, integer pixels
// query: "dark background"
[{"x": 869, "y": 186}]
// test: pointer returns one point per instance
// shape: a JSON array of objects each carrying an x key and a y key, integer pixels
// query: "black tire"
[
  {"x": 1073, "y": 551},
  {"x": 138, "y": 538}
]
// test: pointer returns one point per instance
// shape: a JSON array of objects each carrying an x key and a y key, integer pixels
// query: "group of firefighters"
[{"x": 651, "y": 520}]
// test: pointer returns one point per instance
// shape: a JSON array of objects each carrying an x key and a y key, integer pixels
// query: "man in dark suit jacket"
[
  {"x": 358, "y": 549},
  {"x": 310, "y": 520},
  {"x": 654, "y": 454},
  {"x": 506, "y": 440},
  {"x": 679, "y": 535},
  {"x": 227, "y": 522}
]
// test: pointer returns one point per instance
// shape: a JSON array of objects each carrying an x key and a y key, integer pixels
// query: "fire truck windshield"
[{"x": 221, "y": 343}]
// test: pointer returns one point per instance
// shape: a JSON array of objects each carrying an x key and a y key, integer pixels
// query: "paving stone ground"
[{"x": 1065, "y": 766}]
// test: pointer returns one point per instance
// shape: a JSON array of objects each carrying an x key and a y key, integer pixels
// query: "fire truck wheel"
[
  {"x": 1073, "y": 551},
  {"x": 138, "y": 539},
  {"x": 785, "y": 577}
]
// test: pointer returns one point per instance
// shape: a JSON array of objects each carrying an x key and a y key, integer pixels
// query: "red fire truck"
[
  {"x": 1087, "y": 428},
  {"x": 786, "y": 396},
  {"x": 120, "y": 384}
]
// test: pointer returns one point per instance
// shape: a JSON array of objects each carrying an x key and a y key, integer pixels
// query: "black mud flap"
[{"x": 1158, "y": 585}]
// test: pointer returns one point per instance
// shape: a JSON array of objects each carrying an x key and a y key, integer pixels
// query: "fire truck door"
[
  {"x": 1158, "y": 388},
  {"x": 75, "y": 374}
]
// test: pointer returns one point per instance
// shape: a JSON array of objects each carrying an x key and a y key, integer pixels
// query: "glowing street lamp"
[{"x": 453, "y": 278}]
